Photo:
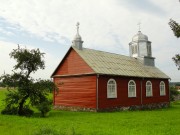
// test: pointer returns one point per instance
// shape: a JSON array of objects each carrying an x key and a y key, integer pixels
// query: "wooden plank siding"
[
  {"x": 79, "y": 91},
  {"x": 77, "y": 84},
  {"x": 122, "y": 92},
  {"x": 73, "y": 64}
]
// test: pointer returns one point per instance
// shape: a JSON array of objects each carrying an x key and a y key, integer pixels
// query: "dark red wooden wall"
[
  {"x": 122, "y": 92},
  {"x": 156, "y": 91}
]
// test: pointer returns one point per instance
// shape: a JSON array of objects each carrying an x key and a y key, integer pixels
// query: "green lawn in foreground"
[{"x": 156, "y": 122}]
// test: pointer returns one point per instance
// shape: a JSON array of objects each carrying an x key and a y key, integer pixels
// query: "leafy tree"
[
  {"x": 176, "y": 29},
  {"x": 28, "y": 89},
  {"x": 1, "y": 84}
]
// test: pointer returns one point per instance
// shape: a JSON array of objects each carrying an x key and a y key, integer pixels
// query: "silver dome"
[
  {"x": 77, "y": 37},
  {"x": 139, "y": 37}
]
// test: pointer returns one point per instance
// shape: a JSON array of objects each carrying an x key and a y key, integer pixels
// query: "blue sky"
[{"x": 106, "y": 25}]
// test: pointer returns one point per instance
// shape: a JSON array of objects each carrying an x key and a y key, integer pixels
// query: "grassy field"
[{"x": 156, "y": 122}]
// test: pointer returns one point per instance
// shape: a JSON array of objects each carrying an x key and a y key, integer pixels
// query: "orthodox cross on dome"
[
  {"x": 77, "y": 27},
  {"x": 139, "y": 24}
]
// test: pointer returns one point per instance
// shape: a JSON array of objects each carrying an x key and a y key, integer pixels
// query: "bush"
[
  {"x": 27, "y": 111},
  {"x": 10, "y": 110},
  {"x": 173, "y": 93},
  {"x": 44, "y": 107}
]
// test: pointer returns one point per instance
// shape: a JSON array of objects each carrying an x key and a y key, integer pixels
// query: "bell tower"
[{"x": 140, "y": 47}]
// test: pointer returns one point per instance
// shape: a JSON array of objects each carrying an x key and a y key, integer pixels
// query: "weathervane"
[
  {"x": 77, "y": 27},
  {"x": 139, "y": 26}
]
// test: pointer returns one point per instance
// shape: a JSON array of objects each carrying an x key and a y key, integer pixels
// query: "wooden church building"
[{"x": 96, "y": 81}]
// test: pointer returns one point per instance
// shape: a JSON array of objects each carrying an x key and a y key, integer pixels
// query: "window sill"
[
  {"x": 111, "y": 97},
  {"x": 149, "y": 96}
]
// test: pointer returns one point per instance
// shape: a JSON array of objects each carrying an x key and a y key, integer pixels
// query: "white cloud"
[{"x": 104, "y": 24}]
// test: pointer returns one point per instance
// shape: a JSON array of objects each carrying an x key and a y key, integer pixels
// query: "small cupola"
[
  {"x": 77, "y": 42},
  {"x": 139, "y": 37},
  {"x": 140, "y": 47}
]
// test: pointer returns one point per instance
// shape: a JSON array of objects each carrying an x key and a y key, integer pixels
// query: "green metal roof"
[{"x": 116, "y": 64}]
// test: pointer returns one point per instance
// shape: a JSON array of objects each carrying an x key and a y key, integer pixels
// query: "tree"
[
  {"x": 173, "y": 93},
  {"x": 35, "y": 91},
  {"x": 176, "y": 29}
]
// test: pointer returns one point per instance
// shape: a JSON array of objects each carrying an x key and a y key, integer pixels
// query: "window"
[
  {"x": 134, "y": 49},
  {"x": 148, "y": 89},
  {"x": 162, "y": 89},
  {"x": 111, "y": 89},
  {"x": 131, "y": 89},
  {"x": 149, "y": 50}
]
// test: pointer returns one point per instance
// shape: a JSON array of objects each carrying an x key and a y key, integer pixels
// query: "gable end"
[{"x": 71, "y": 64}]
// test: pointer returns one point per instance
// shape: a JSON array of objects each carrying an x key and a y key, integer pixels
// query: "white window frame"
[
  {"x": 149, "y": 50},
  {"x": 111, "y": 89},
  {"x": 149, "y": 86},
  {"x": 162, "y": 88},
  {"x": 130, "y": 93}
]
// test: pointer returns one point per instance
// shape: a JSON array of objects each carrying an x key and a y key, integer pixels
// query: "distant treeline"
[{"x": 174, "y": 84}]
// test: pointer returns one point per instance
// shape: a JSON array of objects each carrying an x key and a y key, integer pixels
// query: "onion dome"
[
  {"x": 139, "y": 37},
  {"x": 77, "y": 37},
  {"x": 77, "y": 42}
]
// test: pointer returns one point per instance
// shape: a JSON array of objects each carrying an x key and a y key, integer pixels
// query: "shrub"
[
  {"x": 173, "y": 93},
  {"x": 27, "y": 111},
  {"x": 44, "y": 107},
  {"x": 10, "y": 110}
]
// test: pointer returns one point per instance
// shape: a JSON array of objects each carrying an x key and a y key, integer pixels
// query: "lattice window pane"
[{"x": 111, "y": 89}]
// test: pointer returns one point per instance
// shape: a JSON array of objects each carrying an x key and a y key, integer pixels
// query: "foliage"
[
  {"x": 28, "y": 61},
  {"x": 177, "y": 84},
  {"x": 176, "y": 59},
  {"x": 10, "y": 110},
  {"x": 36, "y": 91},
  {"x": 8, "y": 80},
  {"x": 11, "y": 102},
  {"x": 173, "y": 93},
  {"x": 44, "y": 107},
  {"x": 1, "y": 84},
  {"x": 175, "y": 27}
]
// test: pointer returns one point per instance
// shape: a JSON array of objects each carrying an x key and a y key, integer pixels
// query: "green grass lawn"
[{"x": 156, "y": 122}]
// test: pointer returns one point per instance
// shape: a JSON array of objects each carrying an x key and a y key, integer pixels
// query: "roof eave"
[{"x": 134, "y": 76}]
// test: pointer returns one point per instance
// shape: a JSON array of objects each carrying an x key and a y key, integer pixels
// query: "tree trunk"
[{"x": 21, "y": 104}]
